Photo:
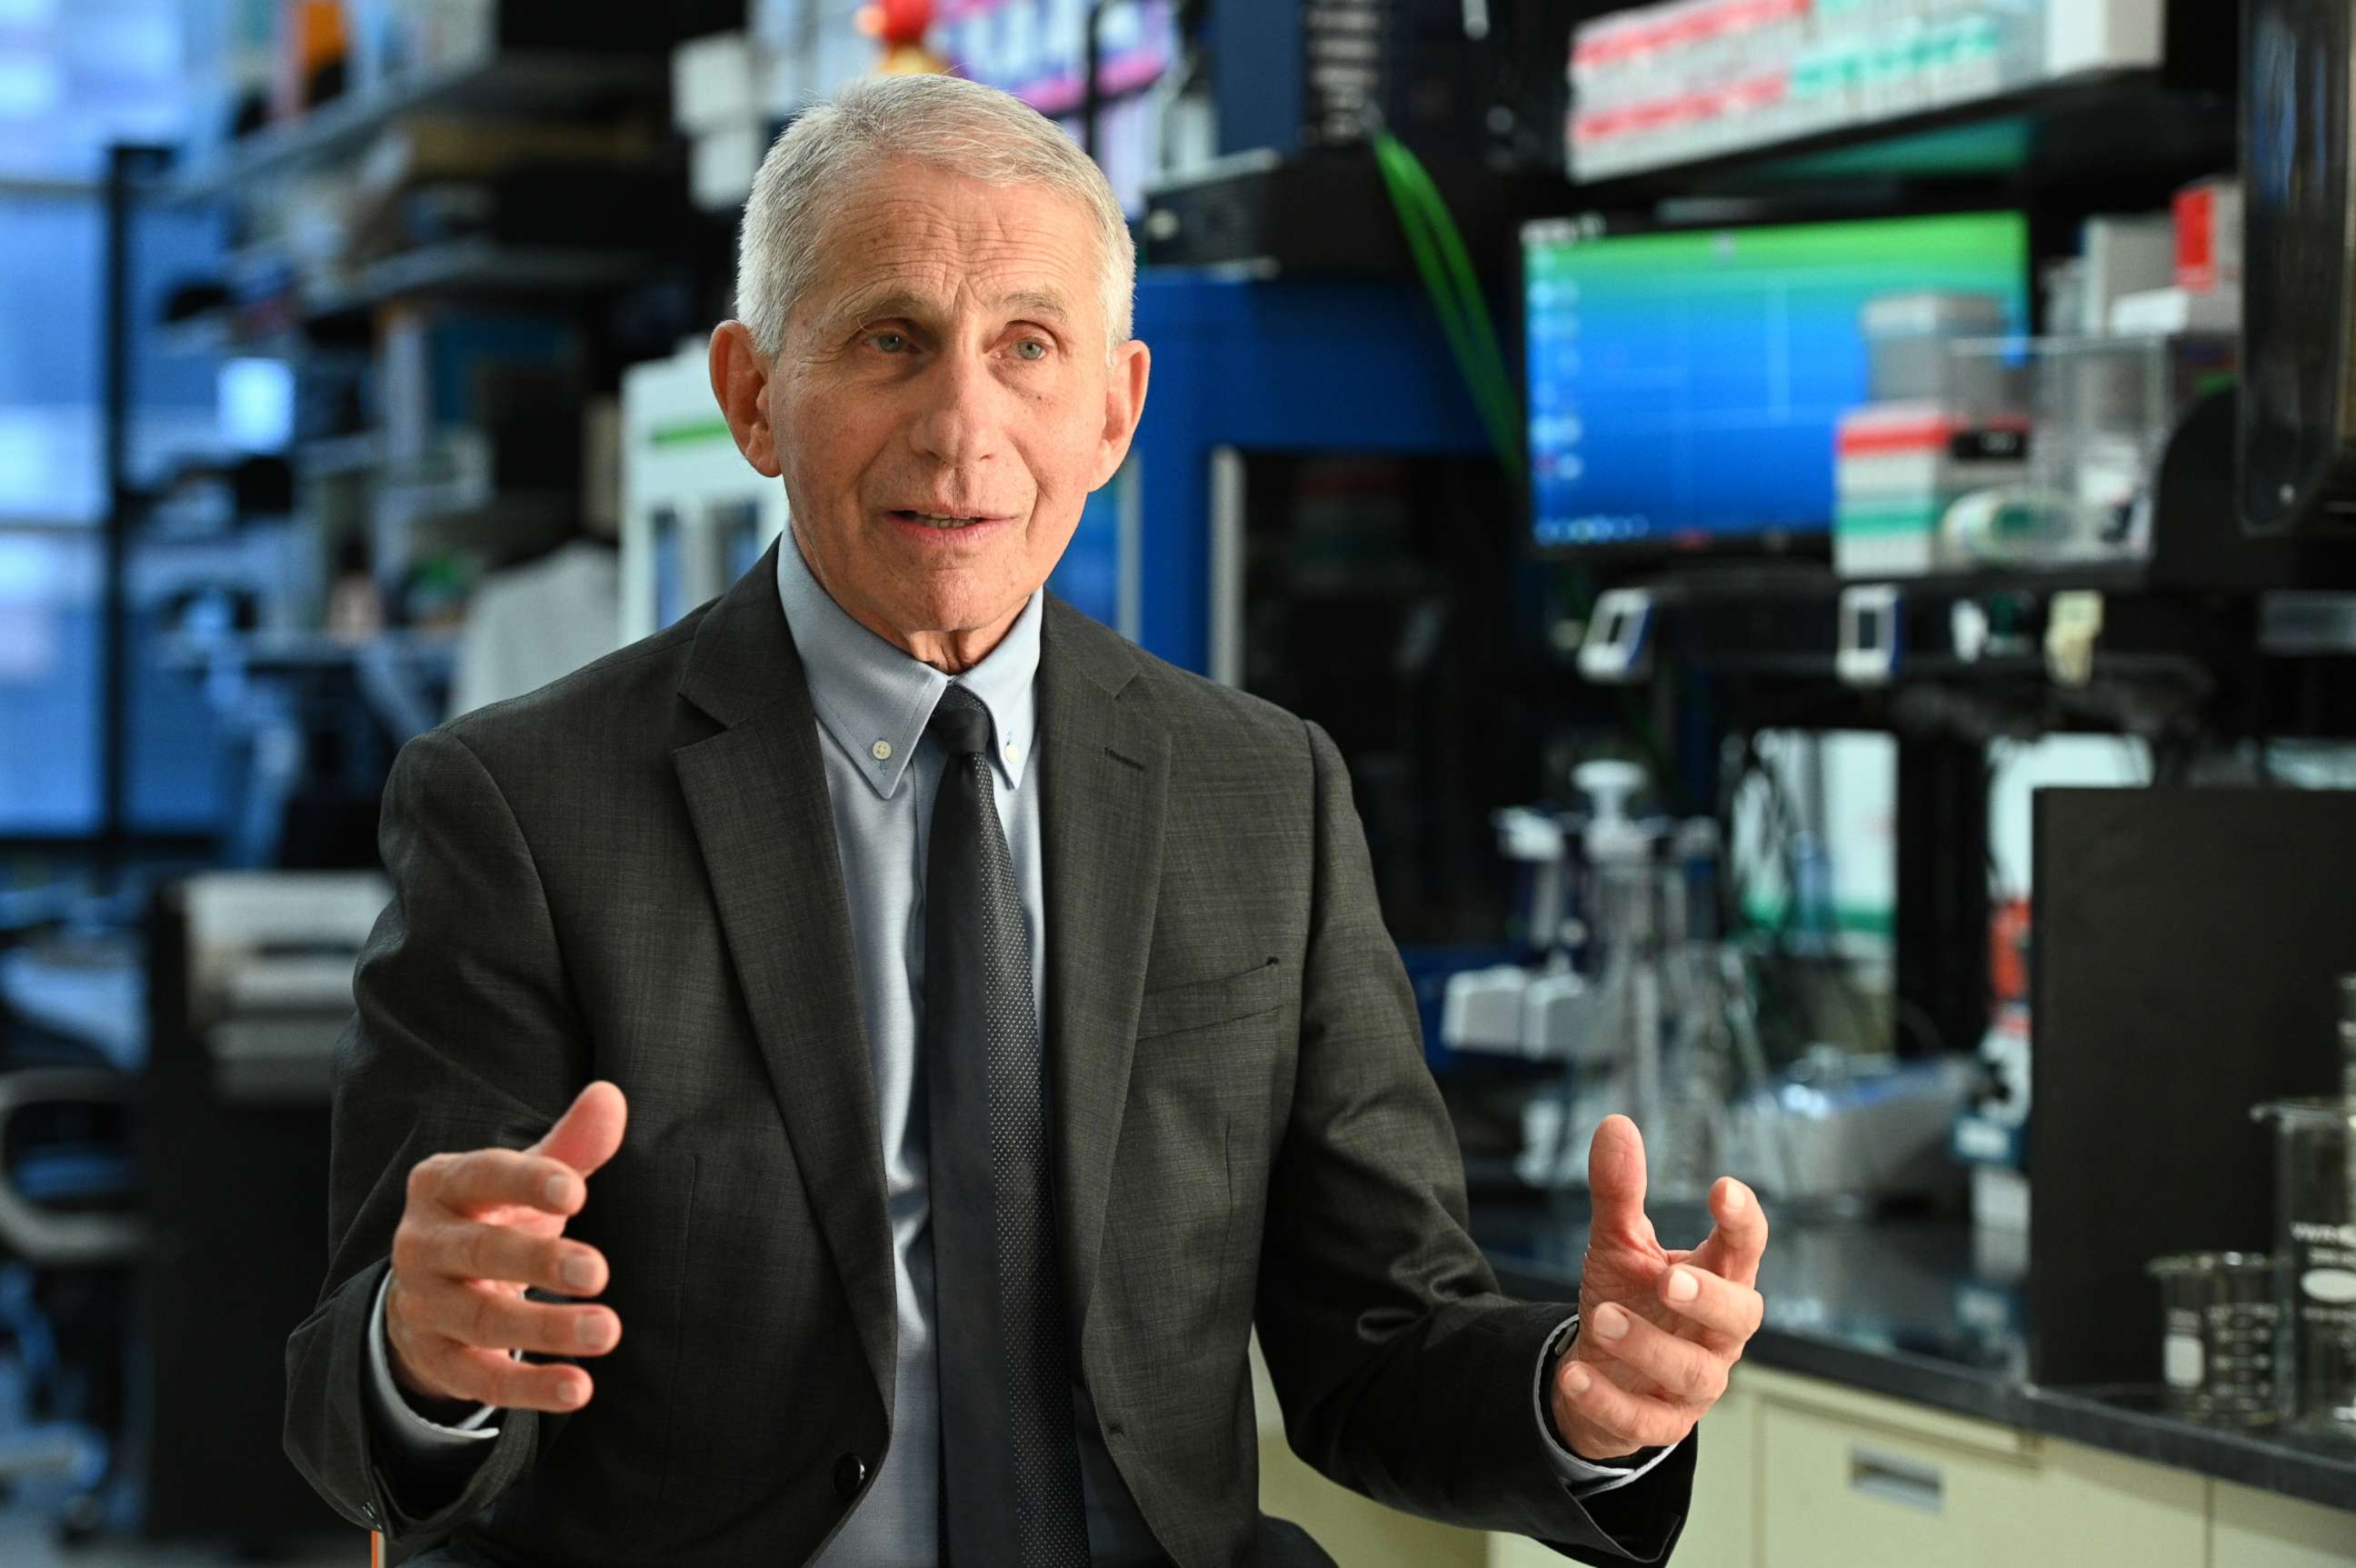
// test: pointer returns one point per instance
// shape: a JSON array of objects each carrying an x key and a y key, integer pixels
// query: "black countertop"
[{"x": 1901, "y": 1307}]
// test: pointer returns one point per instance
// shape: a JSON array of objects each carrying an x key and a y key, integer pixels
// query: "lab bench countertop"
[{"x": 1897, "y": 1306}]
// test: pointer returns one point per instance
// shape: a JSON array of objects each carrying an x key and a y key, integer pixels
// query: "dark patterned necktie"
[{"x": 1010, "y": 1468}]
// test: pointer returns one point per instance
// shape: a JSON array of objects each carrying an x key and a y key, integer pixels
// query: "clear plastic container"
[
  {"x": 2218, "y": 1344},
  {"x": 2102, "y": 408},
  {"x": 2315, "y": 1262}
]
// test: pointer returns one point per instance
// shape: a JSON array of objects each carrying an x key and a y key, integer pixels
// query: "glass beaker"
[
  {"x": 2315, "y": 1262},
  {"x": 2218, "y": 1317}
]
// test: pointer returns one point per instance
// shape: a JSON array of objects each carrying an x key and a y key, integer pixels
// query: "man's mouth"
[{"x": 934, "y": 520}]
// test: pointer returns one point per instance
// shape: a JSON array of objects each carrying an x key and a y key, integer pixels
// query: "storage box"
[
  {"x": 1899, "y": 467},
  {"x": 2209, "y": 236}
]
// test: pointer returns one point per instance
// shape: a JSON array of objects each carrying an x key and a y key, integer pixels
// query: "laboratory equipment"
[
  {"x": 2347, "y": 1036},
  {"x": 695, "y": 515},
  {"x": 1650, "y": 1013},
  {"x": 1900, "y": 467},
  {"x": 2314, "y": 1250},
  {"x": 2188, "y": 948},
  {"x": 1630, "y": 990},
  {"x": 2217, "y": 1344},
  {"x": 1685, "y": 384},
  {"x": 2298, "y": 423},
  {"x": 1618, "y": 648},
  {"x": 1473, "y": 81},
  {"x": 1837, "y": 1132},
  {"x": 1872, "y": 635},
  {"x": 2101, "y": 409},
  {"x": 1510, "y": 1009}
]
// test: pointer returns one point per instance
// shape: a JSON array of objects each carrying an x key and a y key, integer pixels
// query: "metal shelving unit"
[
  {"x": 476, "y": 266},
  {"x": 505, "y": 84}
]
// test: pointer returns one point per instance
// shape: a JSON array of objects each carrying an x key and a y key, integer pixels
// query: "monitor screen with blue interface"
[{"x": 1684, "y": 387}]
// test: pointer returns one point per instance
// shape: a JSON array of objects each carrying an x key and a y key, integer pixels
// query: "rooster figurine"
[{"x": 900, "y": 25}]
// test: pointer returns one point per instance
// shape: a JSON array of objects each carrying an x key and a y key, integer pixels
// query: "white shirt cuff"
[
  {"x": 1585, "y": 1477},
  {"x": 396, "y": 1416}
]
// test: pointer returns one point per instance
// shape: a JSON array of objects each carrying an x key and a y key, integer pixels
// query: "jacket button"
[{"x": 849, "y": 1475}]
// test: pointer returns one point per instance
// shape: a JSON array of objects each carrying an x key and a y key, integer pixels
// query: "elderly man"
[{"x": 841, "y": 1080}]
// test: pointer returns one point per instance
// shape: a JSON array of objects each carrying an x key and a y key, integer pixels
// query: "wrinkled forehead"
[{"x": 914, "y": 241}]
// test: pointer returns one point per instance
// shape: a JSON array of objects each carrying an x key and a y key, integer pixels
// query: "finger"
[
  {"x": 1738, "y": 1240},
  {"x": 472, "y": 1251},
  {"x": 488, "y": 1318},
  {"x": 1718, "y": 1306},
  {"x": 590, "y": 1130},
  {"x": 483, "y": 1179},
  {"x": 1690, "y": 1373},
  {"x": 1615, "y": 1177},
  {"x": 1637, "y": 1420},
  {"x": 493, "y": 1378}
]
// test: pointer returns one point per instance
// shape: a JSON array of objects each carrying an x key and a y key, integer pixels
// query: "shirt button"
[
  {"x": 849, "y": 1475},
  {"x": 882, "y": 750}
]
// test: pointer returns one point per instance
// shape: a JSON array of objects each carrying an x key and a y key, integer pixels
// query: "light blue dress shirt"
[{"x": 873, "y": 702}]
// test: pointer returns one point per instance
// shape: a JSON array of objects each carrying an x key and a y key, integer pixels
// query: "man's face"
[{"x": 943, "y": 402}]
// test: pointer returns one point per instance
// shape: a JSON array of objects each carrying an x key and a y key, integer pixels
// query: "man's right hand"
[{"x": 480, "y": 1228}]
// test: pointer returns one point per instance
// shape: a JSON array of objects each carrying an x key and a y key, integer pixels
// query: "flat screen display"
[{"x": 1684, "y": 386}]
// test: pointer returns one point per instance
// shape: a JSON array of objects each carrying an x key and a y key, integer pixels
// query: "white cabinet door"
[
  {"x": 1722, "y": 1527},
  {"x": 2250, "y": 1529},
  {"x": 1851, "y": 1480}
]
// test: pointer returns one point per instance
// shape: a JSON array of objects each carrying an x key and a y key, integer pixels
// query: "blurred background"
[{"x": 1821, "y": 527}]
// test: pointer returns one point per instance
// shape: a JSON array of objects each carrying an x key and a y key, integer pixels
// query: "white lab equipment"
[{"x": 695, "y": 515}]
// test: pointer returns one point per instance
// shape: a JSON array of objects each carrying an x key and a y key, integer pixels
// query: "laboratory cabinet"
[
  {"x": 1851, "y": 1478},
  {"x": 2251, "y": 1528},
  {"x": 1798, "y": 1472}
]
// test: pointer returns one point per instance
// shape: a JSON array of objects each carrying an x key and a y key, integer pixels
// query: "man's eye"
[
  {"x": 890, "y": 342},
  {"x": 1032, "y": 343}
]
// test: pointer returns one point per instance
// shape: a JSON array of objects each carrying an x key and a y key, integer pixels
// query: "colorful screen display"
[{"x": 1684, "y": 387}]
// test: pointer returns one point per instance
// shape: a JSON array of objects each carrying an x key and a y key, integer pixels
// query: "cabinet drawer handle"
[{"x": 1905, "y": 1481}]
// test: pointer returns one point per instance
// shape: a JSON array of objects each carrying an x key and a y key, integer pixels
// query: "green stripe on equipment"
[{"x": 689, "y": 435}]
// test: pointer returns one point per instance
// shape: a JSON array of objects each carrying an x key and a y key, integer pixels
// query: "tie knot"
[{"x": 960, "y": 722}]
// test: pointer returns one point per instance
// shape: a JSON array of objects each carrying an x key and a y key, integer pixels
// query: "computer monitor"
[{"x": 1684, "y": 385}]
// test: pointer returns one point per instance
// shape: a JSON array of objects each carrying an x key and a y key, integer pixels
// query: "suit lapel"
[
  {"x": 757, "y": 795},
  {"x": 1104, "y": 767}
]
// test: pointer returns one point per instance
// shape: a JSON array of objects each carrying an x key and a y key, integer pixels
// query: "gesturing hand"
[
  {"x": 481, "y": 1227},
  {"x": 1658, "y": 1330}
]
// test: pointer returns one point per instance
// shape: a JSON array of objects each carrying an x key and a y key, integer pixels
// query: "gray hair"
[{"x": 945, "y": 121}]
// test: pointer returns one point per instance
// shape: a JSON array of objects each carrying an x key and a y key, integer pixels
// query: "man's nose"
[{"x": 957, "y": 419}]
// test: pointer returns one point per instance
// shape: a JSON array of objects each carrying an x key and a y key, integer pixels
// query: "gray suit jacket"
[{"x": 631, "y": 875}]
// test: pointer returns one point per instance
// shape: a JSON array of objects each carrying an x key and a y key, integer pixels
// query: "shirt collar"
[{"x": 875, "y": 701}]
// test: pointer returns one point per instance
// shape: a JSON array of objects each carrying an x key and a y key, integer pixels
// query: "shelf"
[
  {"x": 453, "y": 267},
  {"x": 220, "y": 332},
  {"x": 2103, "y": 130},
  {"x": 292, "y": 650},
  {"x": 477, "y": 266},
  {"x": 506, "y": 85},
  {"x": 329, "y": 456}
]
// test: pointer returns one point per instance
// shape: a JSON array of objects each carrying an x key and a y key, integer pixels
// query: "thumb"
[
  {"x": 589, "y": 1132},
  {"x": 1615, "y": 1178}
]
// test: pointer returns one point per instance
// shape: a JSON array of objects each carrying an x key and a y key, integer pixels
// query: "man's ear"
[
  {"x": 740, "y": 380},
  {"x": 1132, "y": 368}
]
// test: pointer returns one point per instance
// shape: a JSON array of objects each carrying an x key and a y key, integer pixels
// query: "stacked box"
[{"x": 1900, "y": 465}]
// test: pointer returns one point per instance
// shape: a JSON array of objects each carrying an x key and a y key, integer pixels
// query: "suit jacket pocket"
[{"x": 1199, "y": 1004}]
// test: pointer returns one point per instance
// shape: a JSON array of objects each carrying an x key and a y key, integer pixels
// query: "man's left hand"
[{"x": 1659, "y": 1331}]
